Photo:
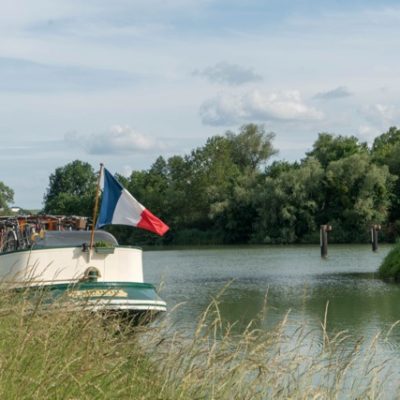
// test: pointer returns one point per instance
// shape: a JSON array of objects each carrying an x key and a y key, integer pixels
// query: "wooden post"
[
  {"x": 96, "y": 203},
  {"x": 374, "y": 236},
  {"x": 324, "y": 239}
]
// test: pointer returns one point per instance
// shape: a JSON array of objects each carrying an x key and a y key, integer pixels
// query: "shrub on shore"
[{"x": 390, "y": 267}]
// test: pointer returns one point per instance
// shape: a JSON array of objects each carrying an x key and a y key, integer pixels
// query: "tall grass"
[
  {"x": 281, "y": 363},
  {"x": 68, "y": 355},
  {"x": 76, "y": 355}
]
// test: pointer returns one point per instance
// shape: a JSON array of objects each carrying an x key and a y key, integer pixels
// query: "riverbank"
[{"x": 76, "y": 355}]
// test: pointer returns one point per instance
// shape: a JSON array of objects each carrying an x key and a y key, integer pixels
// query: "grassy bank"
[
  {"x": 390, "y": 267},
  {"x": 81, "y": 356}
]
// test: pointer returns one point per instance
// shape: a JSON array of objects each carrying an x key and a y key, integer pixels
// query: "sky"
[{"x": 123, "y": 82}]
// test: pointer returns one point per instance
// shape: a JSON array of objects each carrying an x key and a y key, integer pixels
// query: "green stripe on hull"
[{"x": 102, "y": 295}]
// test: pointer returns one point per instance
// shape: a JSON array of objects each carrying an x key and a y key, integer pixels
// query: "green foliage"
[
  {"x": 287, "y": 203},
  {"x": 386, "y": 151},
  {"x": 277, "y": 167},
  {"x": 197, "y": 237},
  {"x": 357, "y": 194},
  {"x": 328, "y": 148},
  {"x": 223, "y": 192},
  {"x": 6, "y": 197},
  {"x": 390, "y": 267},
  {"x": 102, "y": 243},
  {"x": 209, "y": 191},
  {"x": 251, "y": 147},
  {"x": 385, "y": 144},
  {"x": 71, "y": 190}
]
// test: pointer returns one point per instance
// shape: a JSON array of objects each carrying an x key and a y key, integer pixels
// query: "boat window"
[{"x": 73, "y": 238}]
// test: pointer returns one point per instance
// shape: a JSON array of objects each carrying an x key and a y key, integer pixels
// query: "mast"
[{"x": 96, "y": 203}]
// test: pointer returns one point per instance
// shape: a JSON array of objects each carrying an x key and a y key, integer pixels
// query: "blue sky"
[{"x": 125, "y": 81}]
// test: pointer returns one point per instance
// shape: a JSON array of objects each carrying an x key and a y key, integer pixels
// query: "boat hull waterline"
[{"x": 100, "y": 296}]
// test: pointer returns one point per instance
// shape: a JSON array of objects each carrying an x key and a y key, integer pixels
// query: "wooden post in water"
[
  {"x": 324, "y": 239},
  {"x": 374, "y": 236}
]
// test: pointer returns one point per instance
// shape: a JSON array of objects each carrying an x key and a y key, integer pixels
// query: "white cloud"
[
  {"x": 377, "y": 119},
  {"x": 127, "y": 171},
  {"x": 231, "y": 74},
  {"x": 117, "y": 140},
  {"x": 222, "y": 110},
  {"x": 368, "y": 133},
  {"x": 382, "y": 114},
  {"x": 228, "y": 109},
  {"x": 150, "y": 45}
]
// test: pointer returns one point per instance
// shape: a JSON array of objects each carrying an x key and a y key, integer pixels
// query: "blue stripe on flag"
[{"x": 111, "y": 194}]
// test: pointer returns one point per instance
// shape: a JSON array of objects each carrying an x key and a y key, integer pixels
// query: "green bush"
[
  {"x": 197, "y": 237},
  {"x": 390, "y": 267}
]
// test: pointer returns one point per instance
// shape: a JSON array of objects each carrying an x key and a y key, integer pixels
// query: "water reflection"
[{"x": 294, "y": 278}]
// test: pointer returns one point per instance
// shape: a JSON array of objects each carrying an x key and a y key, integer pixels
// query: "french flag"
[{"x": 119, "y": 207}]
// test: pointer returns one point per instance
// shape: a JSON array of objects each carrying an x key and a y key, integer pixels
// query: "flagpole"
[{"x": 96, "y": 203}]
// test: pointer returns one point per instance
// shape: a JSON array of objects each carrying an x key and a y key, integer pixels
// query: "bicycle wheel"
[{"x": 11, "y": 243}]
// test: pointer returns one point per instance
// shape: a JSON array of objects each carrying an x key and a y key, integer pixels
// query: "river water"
[{"x": 294, "y": 278}]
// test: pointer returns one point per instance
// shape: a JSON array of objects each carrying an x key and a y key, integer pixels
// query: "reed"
[
  {"x": 76, "y": 355},
  {"x": 68, "y": 355},
  {"x": 281, "y": 363}
]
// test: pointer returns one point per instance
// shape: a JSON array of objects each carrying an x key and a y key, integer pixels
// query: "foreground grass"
[
  {"x": 286, "y": 362},
  {"x": 82, "y": 356},
  {"x": 72, "y": 355}
]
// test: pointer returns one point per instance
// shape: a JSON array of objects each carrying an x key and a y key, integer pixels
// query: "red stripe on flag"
[{"x": 151, "y": 223}]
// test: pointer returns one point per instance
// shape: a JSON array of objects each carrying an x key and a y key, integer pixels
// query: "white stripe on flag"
[{"x": 128, "y": 210}]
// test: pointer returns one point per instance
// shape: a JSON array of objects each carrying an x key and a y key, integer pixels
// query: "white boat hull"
[{"x": 118, "y": 284}]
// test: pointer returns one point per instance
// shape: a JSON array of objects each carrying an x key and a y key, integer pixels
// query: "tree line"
[{"x": 229, "y": 192}]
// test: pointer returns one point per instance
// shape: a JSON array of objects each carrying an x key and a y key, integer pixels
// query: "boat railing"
[{"x": 21, "y": 232}]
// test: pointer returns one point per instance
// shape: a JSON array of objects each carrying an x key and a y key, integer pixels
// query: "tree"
[
  {"x": 6, "y": 197},
  {"x": 251, "y": 147},
  {"x": 278, "y": 167},
  {"x": 233, "y": 180},
  {"x": 220, "y": 181},
  {"x": 357, "y": 195},
  {"x": 287, "y": 202},
  {"x": 210, "y": 189},
  {"x": 383, "y": 145},
  {"x": 149, "y": 186},
  {"x": 186, "y": 202},
  {"x": 386, "y": 151},
  {"x": 71, "y": 190},
  {"x": 328, "y": 148}
]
